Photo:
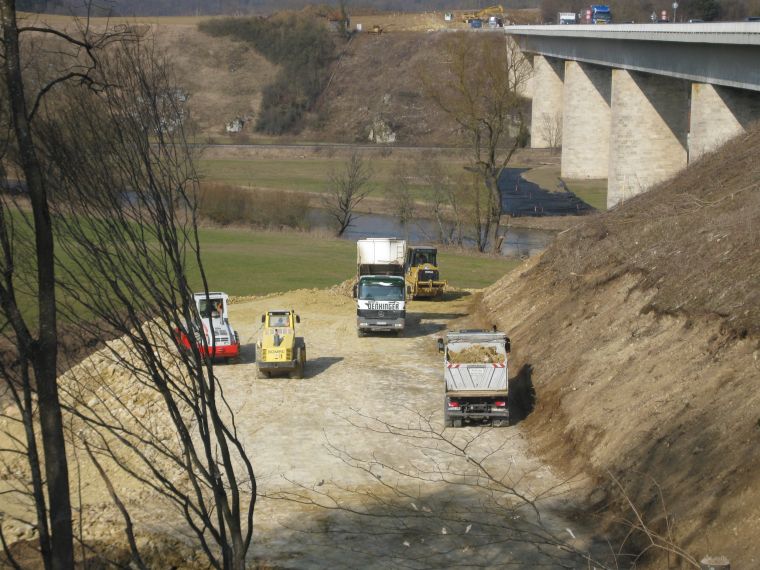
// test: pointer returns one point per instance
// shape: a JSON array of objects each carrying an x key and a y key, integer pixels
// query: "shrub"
[{"x": 225, "y": 205}]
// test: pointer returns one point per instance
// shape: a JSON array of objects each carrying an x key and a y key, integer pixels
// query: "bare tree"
[
  {"x": 112, "y": 185},
  {"x": 347, "y": 189},
  {"x": 480, "y": 88},
  {"x": 550, "y": 128},
  {"x": 400, "y": 192},
  {"x": 34, "y": 377},
  {"x": 448, "y": 207}
]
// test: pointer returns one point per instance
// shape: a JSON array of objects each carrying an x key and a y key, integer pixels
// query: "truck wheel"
[
  {"x": 457, "y": 422},
  {"x": 500, "y": 423},
  {"x": 360, "y": 333},
  {"x": 261, "y": 373},
  {"x": 400, "y": 333}
]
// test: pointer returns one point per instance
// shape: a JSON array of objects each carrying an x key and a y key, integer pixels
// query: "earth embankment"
[{"x": 642, "y": 326}]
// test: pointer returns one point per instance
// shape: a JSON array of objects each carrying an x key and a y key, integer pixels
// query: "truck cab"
[
  {"x": 421, "y": 272},
  {"x": 599, "y": 14},
  {"x": 212, "y": 334},
  {"x": 279, "y": 349},
  {"x": 380, "y": 290},
  {"x": 380, "y": 303}
]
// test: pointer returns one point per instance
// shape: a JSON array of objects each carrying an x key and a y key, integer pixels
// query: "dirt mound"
[
  {"x": 476, "y": 354},
  {"x": 642, "y": 327},
  {"x": 345, "y": 289}
]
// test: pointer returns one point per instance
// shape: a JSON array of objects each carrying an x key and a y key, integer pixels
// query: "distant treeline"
[
  {"x": 232, "y": 7},
  {"x": 641, "y": 10},
  {"x": 302, "y": 46}
]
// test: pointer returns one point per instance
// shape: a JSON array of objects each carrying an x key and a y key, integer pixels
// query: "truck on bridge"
[{"x": 598, "y": 14}]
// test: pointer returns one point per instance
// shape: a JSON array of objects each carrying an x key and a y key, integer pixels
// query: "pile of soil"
[
  {"x": 476, "y": 355},
  {"x": 642, "y": 328}
]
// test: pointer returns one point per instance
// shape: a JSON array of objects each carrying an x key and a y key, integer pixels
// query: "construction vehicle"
[
  {"x": 476, "y": 377},
  {"x": 484, "y": 14},
  {"x": 380, "y": 286},
  {"x": 279, "y": 349},
  {"x": 211, "y": 333},
  {"x": 567, "y": 18},
  {"x": 421, "y": 272},
  {"x": 375, "y": 29}
]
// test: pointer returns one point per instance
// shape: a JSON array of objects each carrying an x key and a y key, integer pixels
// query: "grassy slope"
[
  {"x": 243, "y": 262},
  {"x": 642, "y": 326}
]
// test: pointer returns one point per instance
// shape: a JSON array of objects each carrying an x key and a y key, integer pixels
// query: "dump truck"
[
  {"x": 380, "y": 285},
  {"x": 476, "y": 377},
  {"x": 421, "y": 272},
  {"x": 211, "y": 333},
  {"x": 279, "y": 349}
]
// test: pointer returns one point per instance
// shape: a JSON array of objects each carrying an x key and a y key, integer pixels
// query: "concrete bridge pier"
[
  {"x": 586, "y": 121},
  {"x": 718, "y": 114},
  {"x": 548, "y": 78},
  {"x": 649, "y": 131}
]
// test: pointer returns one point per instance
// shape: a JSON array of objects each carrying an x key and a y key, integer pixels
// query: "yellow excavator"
[
  {"x": 279, "y": 349},
  {"x": 484, "y": 14},
  {"x": 421, "y": 272}
]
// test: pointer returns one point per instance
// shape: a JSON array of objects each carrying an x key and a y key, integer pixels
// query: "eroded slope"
[{"x": 642, "y": 327}]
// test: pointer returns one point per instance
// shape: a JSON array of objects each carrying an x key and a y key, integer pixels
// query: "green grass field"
[
  {"x": 593, "y": 192},
  {"x": 308, "y": 174},
  {"x": 249, "y": 262},
  {"x": 243, "y": 262}
]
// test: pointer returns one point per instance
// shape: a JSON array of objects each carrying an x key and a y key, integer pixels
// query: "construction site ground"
[
  {"x": 362, "y": 436},
  {"x": 325, "y": 438}
]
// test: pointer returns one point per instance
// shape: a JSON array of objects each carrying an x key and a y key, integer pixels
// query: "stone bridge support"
[
  {"x": 548, "y": 78},
  {"x": 586, "y": 121},
  {"x": 648, "y": 134},
  {"x": 718, "y": 114}
]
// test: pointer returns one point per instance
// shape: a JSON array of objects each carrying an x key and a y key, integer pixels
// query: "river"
[
  {"x": 520, "y": 197},
  {"x": 518, "y": 242}
]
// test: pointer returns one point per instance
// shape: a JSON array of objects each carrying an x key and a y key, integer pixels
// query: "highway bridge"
[{"x": 638, "y": 102}]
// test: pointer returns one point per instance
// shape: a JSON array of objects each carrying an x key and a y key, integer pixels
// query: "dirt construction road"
[{"x": 353, "y": 465}]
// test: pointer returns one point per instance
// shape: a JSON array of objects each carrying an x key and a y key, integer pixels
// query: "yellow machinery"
[
  {"x": 484, "y": 14},
  {"x": 279, "y": 349},
  {"x": 421, "y": 272}
]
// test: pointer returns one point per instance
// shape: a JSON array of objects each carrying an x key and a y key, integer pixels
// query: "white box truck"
[
  {"x": 564, "y": 18},
  {"x": 476, "y": 377},
  {"x": 380, "y": 290}
]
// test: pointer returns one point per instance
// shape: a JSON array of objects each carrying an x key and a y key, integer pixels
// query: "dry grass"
[
  {"x": 693, "y": 240},
  {"x": 642, "y": 325}
]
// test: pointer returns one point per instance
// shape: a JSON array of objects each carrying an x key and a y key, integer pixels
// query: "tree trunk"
[{"x": 44, "y": 351}]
